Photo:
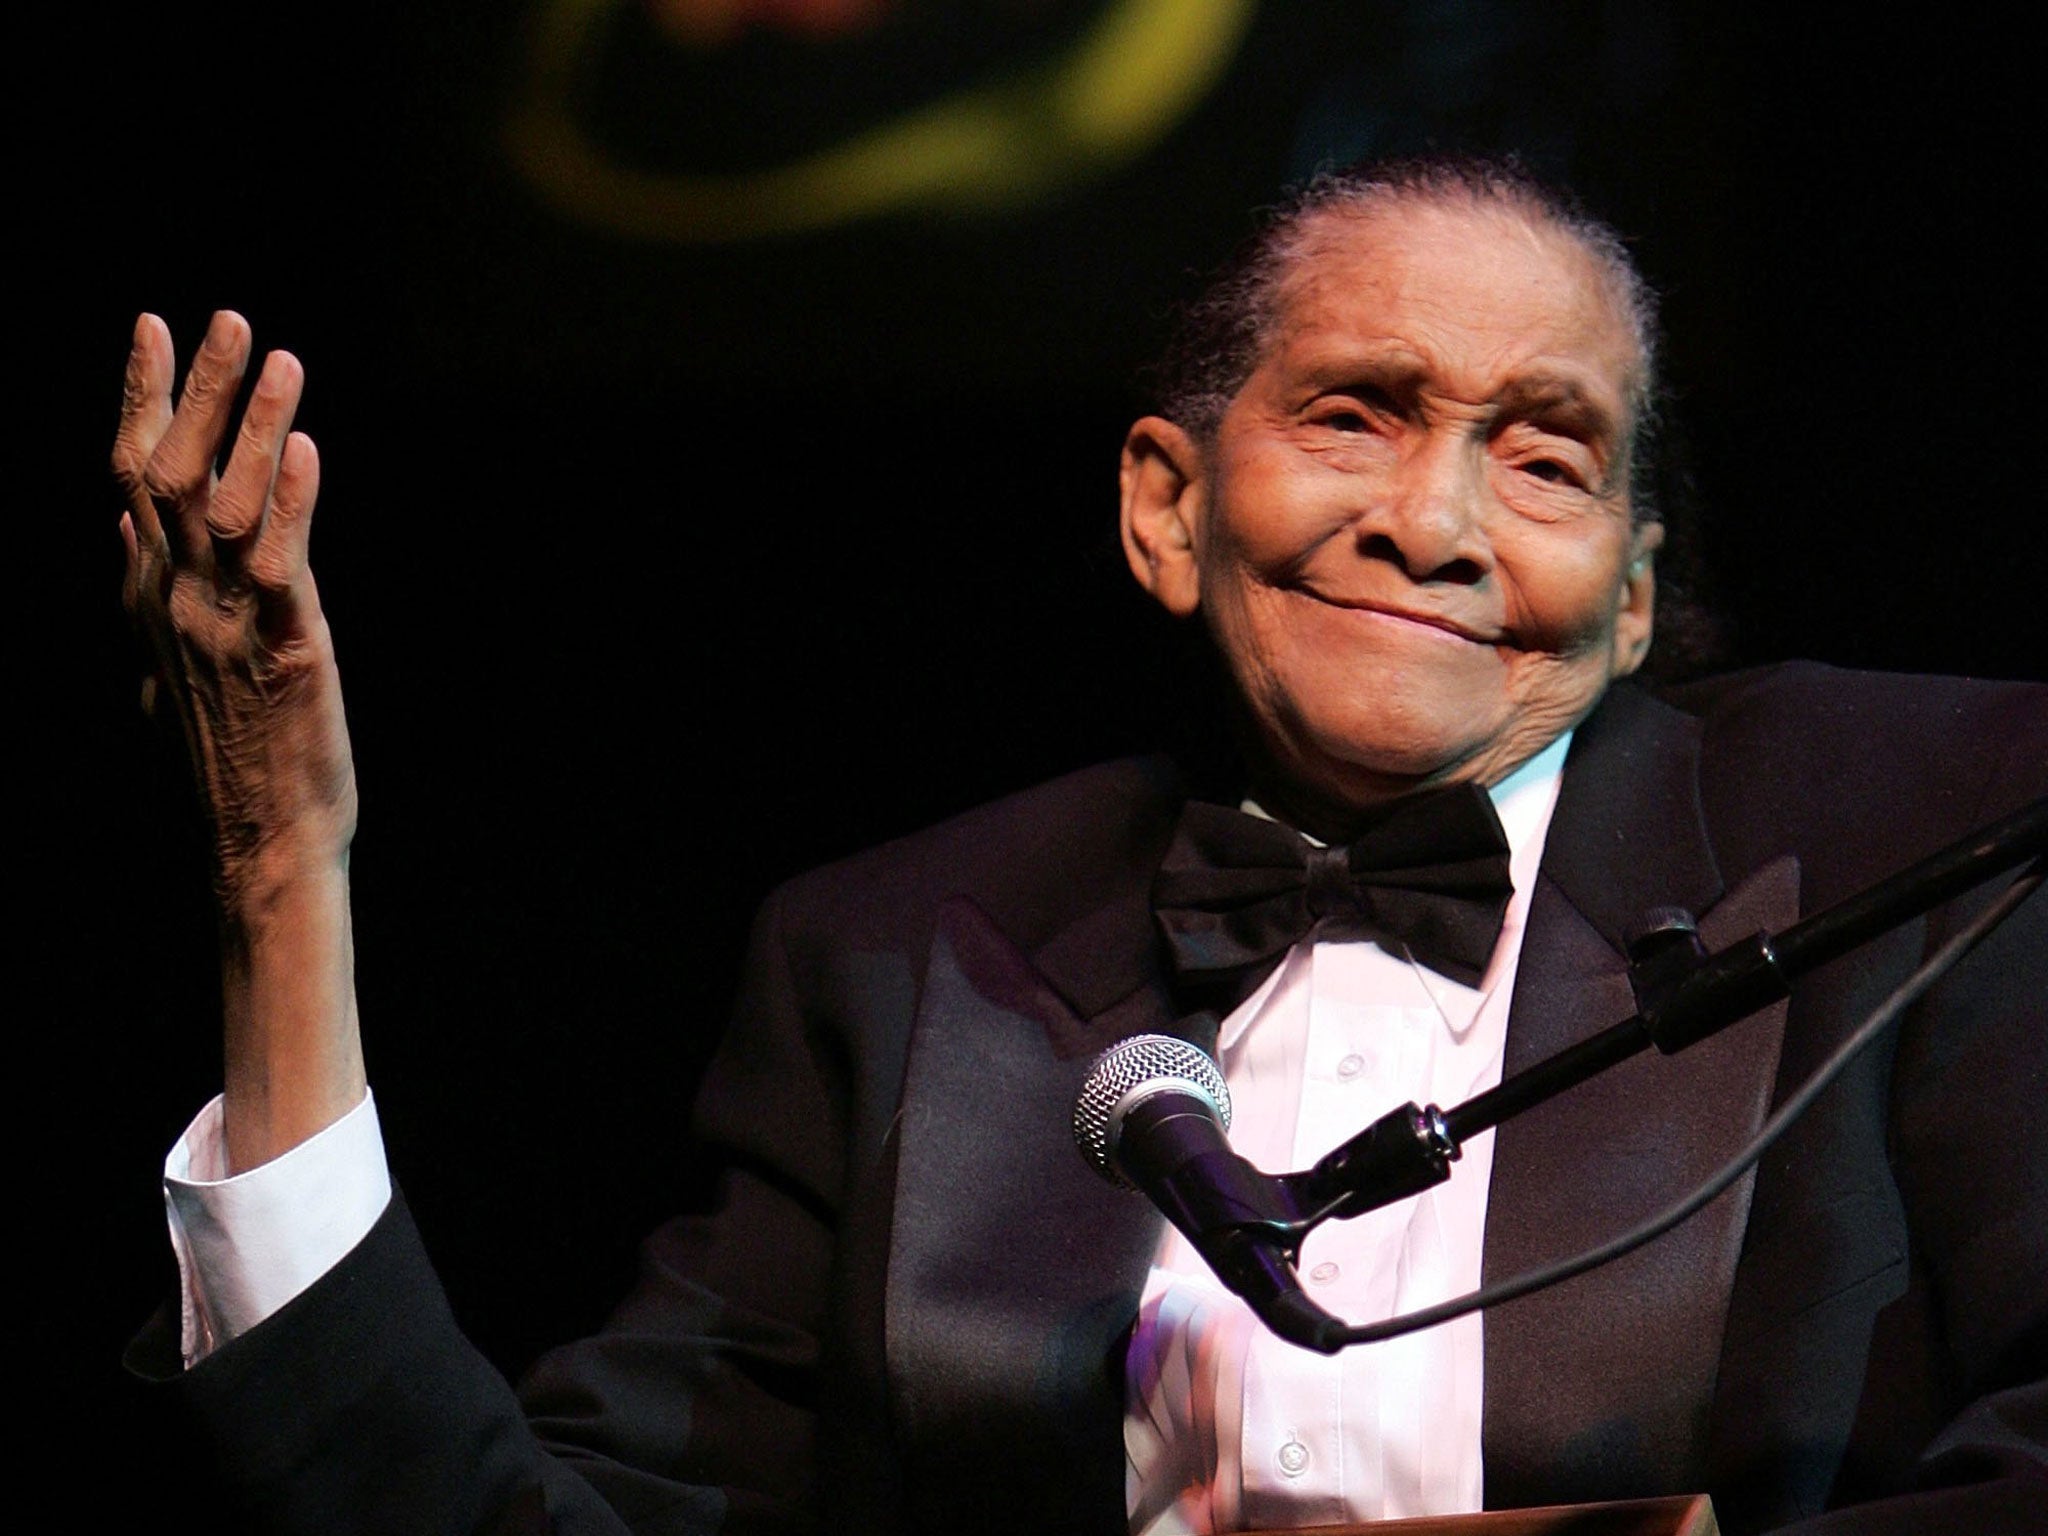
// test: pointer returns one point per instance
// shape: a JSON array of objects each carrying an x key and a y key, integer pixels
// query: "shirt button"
[
  {"x": 1293, "y": 1458},
  {"x": 1323, "y": 1273},
  {"x": 1350, "y": 1067}
]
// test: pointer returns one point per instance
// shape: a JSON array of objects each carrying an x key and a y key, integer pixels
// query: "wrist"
[{"x": 283, "y": 884}]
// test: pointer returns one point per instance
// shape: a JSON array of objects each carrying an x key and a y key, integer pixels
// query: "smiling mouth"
[{"x": 1434, "y": 621}]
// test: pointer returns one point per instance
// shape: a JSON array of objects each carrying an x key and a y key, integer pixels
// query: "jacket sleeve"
[
  {"x": 361, "y": 1406},
  {"x": 1952, "y": 1430},
  {"x": 1952, "y": 1434},
  {"x": 1969, "y": 1145}
]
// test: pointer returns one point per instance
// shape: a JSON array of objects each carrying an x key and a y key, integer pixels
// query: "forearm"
[{"x": 294, "y": 1056}]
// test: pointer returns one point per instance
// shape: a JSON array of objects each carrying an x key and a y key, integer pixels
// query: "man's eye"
[
  {"x": 1349, "y": 415},
  {"x": 1552, "y": 471}
]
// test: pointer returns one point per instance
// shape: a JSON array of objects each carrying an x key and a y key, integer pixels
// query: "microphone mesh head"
[{"x": 1128, "y": 1071}]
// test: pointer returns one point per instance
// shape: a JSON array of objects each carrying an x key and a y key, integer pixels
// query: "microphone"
[
  {"x": 1152, "y": 1116},
  {"x": 1134, "y": 1072}
]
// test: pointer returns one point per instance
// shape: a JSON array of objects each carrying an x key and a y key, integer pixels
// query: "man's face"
[{"x": 1411, "y": 532}]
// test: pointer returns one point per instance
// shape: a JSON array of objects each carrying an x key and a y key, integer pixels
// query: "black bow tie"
[{"x": 1429, "y": 875}]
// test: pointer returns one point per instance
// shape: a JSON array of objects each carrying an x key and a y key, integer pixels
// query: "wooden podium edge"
[{"x": 1685, "y": 1514}]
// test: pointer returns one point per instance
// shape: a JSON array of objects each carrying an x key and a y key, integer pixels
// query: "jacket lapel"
[
  {"x": 1599, "y": 1387},
  {"x": 1015, "y": 1271}
]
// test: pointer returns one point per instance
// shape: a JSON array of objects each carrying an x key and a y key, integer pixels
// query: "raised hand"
[{"x": 218, "y": 585}]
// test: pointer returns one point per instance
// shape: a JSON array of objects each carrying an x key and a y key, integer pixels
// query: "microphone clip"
[{"x": 1683, "y": 993}]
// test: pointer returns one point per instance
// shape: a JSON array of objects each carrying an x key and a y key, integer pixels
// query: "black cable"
[{"x": 1865, "y": 1033}]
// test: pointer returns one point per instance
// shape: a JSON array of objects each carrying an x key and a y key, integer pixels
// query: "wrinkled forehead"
[{"x": 1484, "y": 260}]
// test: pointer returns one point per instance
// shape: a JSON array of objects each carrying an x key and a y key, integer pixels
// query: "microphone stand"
[{"x": 1683, "y": 994}]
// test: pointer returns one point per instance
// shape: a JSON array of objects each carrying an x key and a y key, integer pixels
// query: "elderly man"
[{"x": 1395, "y": 476}]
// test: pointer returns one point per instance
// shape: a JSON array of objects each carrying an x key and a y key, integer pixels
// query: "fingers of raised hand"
[
  {"x": 145, "y": 412},
  {"x": 200, "y": 547},
  {"x": 177, "y": 477},
  {"x": 235, "y": 512},
  {"x": 181, "y": 518},
  {"x": 131, "y": 568},
  {"x": 276, "y": 561}
]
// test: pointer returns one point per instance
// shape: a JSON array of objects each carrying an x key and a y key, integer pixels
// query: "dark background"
[{"x": 660, "y": 572}]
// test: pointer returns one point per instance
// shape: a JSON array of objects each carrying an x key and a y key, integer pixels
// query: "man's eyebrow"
[
  {"x": 1562, "y": 402},
  {"x": 1399, "y": 374}
]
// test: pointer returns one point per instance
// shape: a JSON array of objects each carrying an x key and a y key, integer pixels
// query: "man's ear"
[
  {"x": 1164, "y": 483},
  {"x": 1636, "y": 618}
]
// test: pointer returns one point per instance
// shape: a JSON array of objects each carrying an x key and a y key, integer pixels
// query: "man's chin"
[
  {"x": 1319, "y": 791},
  {"x": 1405, "y": 740},
  {"x": 1414, "y": 748}
]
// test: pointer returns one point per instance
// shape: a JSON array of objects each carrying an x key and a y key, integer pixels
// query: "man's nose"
[{"x": 1430, "y": 518}]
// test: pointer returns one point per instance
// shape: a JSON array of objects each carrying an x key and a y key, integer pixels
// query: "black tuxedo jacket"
[{"x": 910, "y": 1309}]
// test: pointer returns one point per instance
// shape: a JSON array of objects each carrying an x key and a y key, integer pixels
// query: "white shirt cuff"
[{"x": 247, "y": 1245}]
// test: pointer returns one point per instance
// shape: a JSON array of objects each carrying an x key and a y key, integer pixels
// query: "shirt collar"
[{"x": 1523, "y": 800}]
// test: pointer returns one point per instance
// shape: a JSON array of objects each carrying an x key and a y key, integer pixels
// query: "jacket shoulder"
[
  {"x": 1814, "y": 757},
  {"x": 1842, "y": 697},
  {"x": 1027, "y": 859}
]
